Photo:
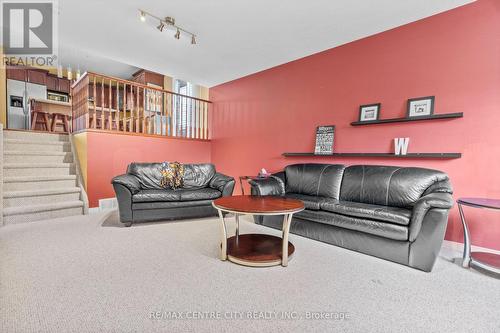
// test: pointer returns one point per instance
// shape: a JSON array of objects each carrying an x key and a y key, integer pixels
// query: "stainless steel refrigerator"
[{"x": 19, "y": 94}]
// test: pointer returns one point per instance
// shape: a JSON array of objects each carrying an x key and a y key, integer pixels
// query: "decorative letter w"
[{"x": 401, "y": 146}]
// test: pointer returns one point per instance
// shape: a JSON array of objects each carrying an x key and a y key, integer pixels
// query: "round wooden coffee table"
[{"x": 258, "y": 250}]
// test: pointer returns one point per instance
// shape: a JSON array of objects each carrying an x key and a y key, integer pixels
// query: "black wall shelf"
[
  {"x": 405, "y": 120},
  {"x": 380, "y": 155}
]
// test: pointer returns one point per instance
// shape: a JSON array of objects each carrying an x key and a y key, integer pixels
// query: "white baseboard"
[
  {"x": 93, "y": 210},
  {"x": 105, "y": 205}
]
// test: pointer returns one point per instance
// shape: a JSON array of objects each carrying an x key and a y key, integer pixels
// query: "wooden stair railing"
[{"x": 102, "y": 102}]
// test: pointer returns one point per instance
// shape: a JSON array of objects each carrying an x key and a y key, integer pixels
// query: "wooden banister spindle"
[
  {"x": 205, "y": 121},
  {"x": 124, "y": 105},
  {"x": 144, "y": 115},
  {"x": 170, "y": 115},
  {"x": 116, "y": 108},
  {"x": 191, "y": 125},
  {"x": 110, "y": 104},
  {"x": 87, "y": 118},
  {"x": 140, "y": 115},
  {"x": 131, "y": 108},
  {"x": 94, "y": 116}
]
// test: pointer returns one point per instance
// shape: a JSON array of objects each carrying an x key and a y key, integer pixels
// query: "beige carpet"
[{"x": 78, "y": 275}]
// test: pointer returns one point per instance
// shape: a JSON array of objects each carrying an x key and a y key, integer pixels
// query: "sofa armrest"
[
  {"x": 267, "y": 186},
  {"x": 129, "y": 181},
  {"x": 423, "y": 205},
  {"x": 223, "y": 183},
  {"x": 124, "y": 198}
]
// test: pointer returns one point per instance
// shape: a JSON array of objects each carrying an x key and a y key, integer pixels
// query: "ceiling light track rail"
[{"x": 168, "y": 21}]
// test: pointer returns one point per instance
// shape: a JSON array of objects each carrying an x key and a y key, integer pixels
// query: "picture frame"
[
  {"x": 325, "y": 136},
  {"x": 369, "y": 112},
  {"x": 420, "y": 107}
]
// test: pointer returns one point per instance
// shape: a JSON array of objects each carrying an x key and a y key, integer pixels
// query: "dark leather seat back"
[
  {"x": 314, "y": 179},
  {"x": 198, "y": 175},
  {"x": 389, "y": 185},
  {"x": 149, "y": 175}
]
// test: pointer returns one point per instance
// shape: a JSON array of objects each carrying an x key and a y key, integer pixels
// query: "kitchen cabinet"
[
  {"x": 16, "y": 74},
  {"x": 58, "y": 84},
  {"x": 64, "y": 85},
  {"x": 144, "y": 77},
  {"x": 37, "y": 76},
  {"x": 52, "y": 83}
]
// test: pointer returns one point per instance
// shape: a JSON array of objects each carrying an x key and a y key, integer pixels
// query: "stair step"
[
  {"x": 19, "y": 156},
  {"x": 33, "y": 135},
  {"x": 37, "y": 197},
  {"x": 34, "y": 145},
  {"x": 34, "y": 213},
  {"x": 34, "y": 169},
  {"x": 41, "y": 208},
  {"x": 35, "y": 193},
  {"x": 36, "y": 182}
]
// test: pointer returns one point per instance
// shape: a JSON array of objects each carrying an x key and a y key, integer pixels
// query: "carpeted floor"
[{"x": 85, "y": 274}]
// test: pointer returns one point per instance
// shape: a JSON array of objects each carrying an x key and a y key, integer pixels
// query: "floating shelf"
[
  {"x": 405, "y": 120},
  {"x": 381, "y": 155}
]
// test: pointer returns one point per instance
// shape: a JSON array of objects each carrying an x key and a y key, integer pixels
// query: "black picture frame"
[
  {"x": 417, "y": 99},
  {"x": 378, "y": 105}
]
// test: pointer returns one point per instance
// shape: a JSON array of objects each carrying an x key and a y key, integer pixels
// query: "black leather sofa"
[
  {"x": 142, "y": 199},
  {"x": 395, "y": 213}
]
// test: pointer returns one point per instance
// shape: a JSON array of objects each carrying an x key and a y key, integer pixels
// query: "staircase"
[{"x": 39, "y": 177}]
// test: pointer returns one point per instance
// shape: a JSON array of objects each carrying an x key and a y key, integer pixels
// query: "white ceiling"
[{"x": 235, "y": 38}]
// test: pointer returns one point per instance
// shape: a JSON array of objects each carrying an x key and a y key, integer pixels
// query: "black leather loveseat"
[
  {"x": 396, "y": 213},
  {"x": 141, "y": 198}
]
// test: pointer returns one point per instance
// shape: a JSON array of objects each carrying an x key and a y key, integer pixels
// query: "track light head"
[
  {"x": 143, "y": 16},
  {"x": 170, "y": 20},
  {"x": 161, "y": 26},
  {"x": 193, "y": 40},
  {"x": 177, "y": 34}
]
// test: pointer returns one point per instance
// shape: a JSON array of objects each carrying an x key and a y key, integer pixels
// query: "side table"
[
  {"x": 247, "y": 178},
  {"x": 487, "y": 261}
]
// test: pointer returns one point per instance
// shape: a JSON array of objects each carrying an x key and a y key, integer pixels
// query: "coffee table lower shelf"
[{"x": 256, "y": 250}]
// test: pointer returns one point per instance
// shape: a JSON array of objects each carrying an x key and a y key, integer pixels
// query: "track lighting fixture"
[{"x": 168, "y": 22}]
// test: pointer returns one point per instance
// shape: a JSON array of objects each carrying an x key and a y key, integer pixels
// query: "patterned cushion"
[{"x": 172, "y": 175}]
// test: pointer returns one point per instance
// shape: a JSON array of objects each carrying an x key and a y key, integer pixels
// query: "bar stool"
[
  {"x": 41, "y": 118},
  {"x": 59, "y": 119}
]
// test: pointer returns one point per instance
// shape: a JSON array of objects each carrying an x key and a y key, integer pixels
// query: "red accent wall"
[
  {"x": 454, "y": 56},
  {"x": 109, "y": 154}
]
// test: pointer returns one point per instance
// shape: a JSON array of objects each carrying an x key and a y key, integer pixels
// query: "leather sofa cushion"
[
  {"x": 322, "y": 180},
  {"x": 388, "y": 185},
  {"x": 170, "y": 204},
  {"x": 149, "y": 174},
  {"x": 378, "y": 228},
  {"x": 396, "y": 215},
  {"x": 199, "y": 194},
  {"x": 310, "y": 202},
  {"x": 166, "y": 195},
  {"x": 198, "y": 175},
  {"x": 157, "y": 195}
]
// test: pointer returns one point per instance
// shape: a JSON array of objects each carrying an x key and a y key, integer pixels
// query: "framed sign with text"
[{"x": 324, "y": 140}]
